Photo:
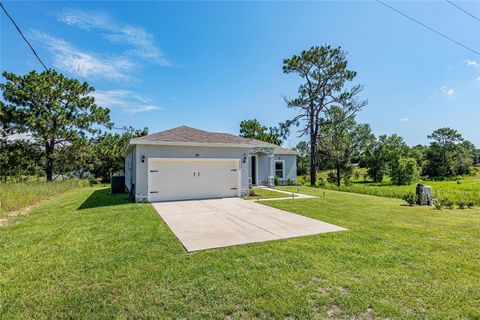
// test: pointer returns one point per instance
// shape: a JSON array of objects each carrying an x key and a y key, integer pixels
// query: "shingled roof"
[{"x": 186, "y": 134}]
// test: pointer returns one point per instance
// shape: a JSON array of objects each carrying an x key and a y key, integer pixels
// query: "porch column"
[
  {"x": 271, "y": 171},
  {"x": 249, "y": 171}
]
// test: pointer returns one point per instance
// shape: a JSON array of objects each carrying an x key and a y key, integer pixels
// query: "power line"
[
  {"x": 24, "y": 38},
  {"x": 461, "y": 9},
  {"x": 429, "y": 28}
]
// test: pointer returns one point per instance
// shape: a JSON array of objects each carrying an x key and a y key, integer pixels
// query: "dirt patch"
[
  {"x": 321, "y": 291},
  {"x": 9, "y": 219},
  {"x": 334, "y": 312},
  {"x": 368, "y": 314},
  {"x": 342, "y": 289}
]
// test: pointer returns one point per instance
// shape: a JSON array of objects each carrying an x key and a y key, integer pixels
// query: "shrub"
[
  {"x": 332, "y": 177},
  {"x": 405, "y": 172},
  {"x": 321, "y": 182},
  {"x": 446, "y": 203},
  {"x": 437, "y": 204},
  {"x": 347, "y": 180},
  {"x": 289, "y": 182},
  {"x": 410, "y": 198},
  {"x": 356, "y": 175},
  {"x": 251, "y": 193},
  {"x": 92, "y": 181},
  {"x": 461, "y": 204},
  {"x": 307, "y": 179},
  {"x": 303, "y": 180},
  {"x": 276, "y": 181},
  {"x": 347, "y": 176},
  {"x": 470, "y": 204}
]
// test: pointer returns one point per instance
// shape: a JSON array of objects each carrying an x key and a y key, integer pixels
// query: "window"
[{"x": 279, "y": 172}]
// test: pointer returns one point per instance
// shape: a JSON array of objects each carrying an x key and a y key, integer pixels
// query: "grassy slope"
[
  {"x": 467, "y": 190},
  {"x": 93, "y": 255},
  {"x": 15, "y": 196}
]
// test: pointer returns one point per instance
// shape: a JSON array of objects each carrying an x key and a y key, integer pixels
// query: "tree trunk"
[
  {"x": 49, "y": 148},
  {"x": 337, "y": 167},
  {"x": 313, "y": 169},
  {"x": 313, "y": 143}
]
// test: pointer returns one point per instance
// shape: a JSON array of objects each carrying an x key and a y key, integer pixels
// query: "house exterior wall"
[
  {"x": 290, "y": 165},
  {"x": 134, "y": 165},
  {"x": 129, "y": 161},
  {"x": 152, "y": 151},
  {"x": 263, "y": 169}
]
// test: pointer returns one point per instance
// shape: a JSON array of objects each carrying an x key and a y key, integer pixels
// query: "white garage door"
[{"x": 181, "y": 179}]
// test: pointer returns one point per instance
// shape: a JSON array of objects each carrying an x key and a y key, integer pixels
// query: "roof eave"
[
  {"x": 292, "y": 152},
  {"x": 127, "y": 149},
  {"x": 194, "y": 144}
]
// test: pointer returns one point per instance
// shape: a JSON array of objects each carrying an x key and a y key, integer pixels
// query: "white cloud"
[
  {"x": 447, "y": 91},
  {"x": 85, "y": 19},
  {"x": 404, "y": 119},
  {"x": 70, "y": 59},
  {"x": 472, "y": 63},
  {"x": 124, "y": 101},
  {"x": 141, "y": 42}
]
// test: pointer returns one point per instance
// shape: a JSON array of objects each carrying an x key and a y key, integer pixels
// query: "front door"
[{"x": 253, "y": 174}]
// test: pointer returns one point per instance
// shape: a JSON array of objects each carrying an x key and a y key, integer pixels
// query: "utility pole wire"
[
  {"x": 429, "y": 28},
  {"x": 24, "y": 38},
  {"x": 461, "y": 9}
]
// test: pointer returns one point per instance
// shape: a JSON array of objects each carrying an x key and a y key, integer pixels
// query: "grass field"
[
  {"x": 466, "y": 189},
  {"x": 15, "y": 196},
  {"x": 92, "y": 255}
]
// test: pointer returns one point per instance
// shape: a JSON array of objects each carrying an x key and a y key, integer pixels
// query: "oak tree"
[
  {"x": 53, "y": 109},
  {"x": 254, "y": 130},
  {"x": 341, "y": 141}
]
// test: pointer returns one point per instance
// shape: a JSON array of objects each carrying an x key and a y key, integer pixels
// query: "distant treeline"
[{"x": 339, "y": 149}]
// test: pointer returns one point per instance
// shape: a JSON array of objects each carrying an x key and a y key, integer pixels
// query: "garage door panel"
[{"x": 182, "y": 179}]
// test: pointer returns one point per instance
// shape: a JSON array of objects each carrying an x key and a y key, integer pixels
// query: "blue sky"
[{"x": 210, "y": 65}]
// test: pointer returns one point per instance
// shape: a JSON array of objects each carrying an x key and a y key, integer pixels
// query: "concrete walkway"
[
  {"x": 214, "y": 223},
  {"x": 296, "y": 195}
]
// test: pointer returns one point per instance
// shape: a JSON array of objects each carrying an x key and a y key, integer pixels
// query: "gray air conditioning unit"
[{"x": 424, "y": 194}]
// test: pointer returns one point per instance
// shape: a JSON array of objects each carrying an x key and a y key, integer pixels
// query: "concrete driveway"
[{"x": 214, "y": 223}]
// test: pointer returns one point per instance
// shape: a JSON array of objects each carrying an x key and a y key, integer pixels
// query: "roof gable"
[
  {"x": 192, "y": 135},
  {"x": 184, "y": 135}
]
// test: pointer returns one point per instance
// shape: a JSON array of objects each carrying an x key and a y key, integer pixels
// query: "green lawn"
[
  {"x": 92, "y": 255},
  {"x": 266, "y": 194}
]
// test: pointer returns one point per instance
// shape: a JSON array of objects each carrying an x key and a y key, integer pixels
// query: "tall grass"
[
  {"x": 15, "y": 196},
  {"x": 466, "y": 189}
]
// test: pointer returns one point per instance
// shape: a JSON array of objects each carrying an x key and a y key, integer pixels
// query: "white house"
[{"x": 187, "y": 163}]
